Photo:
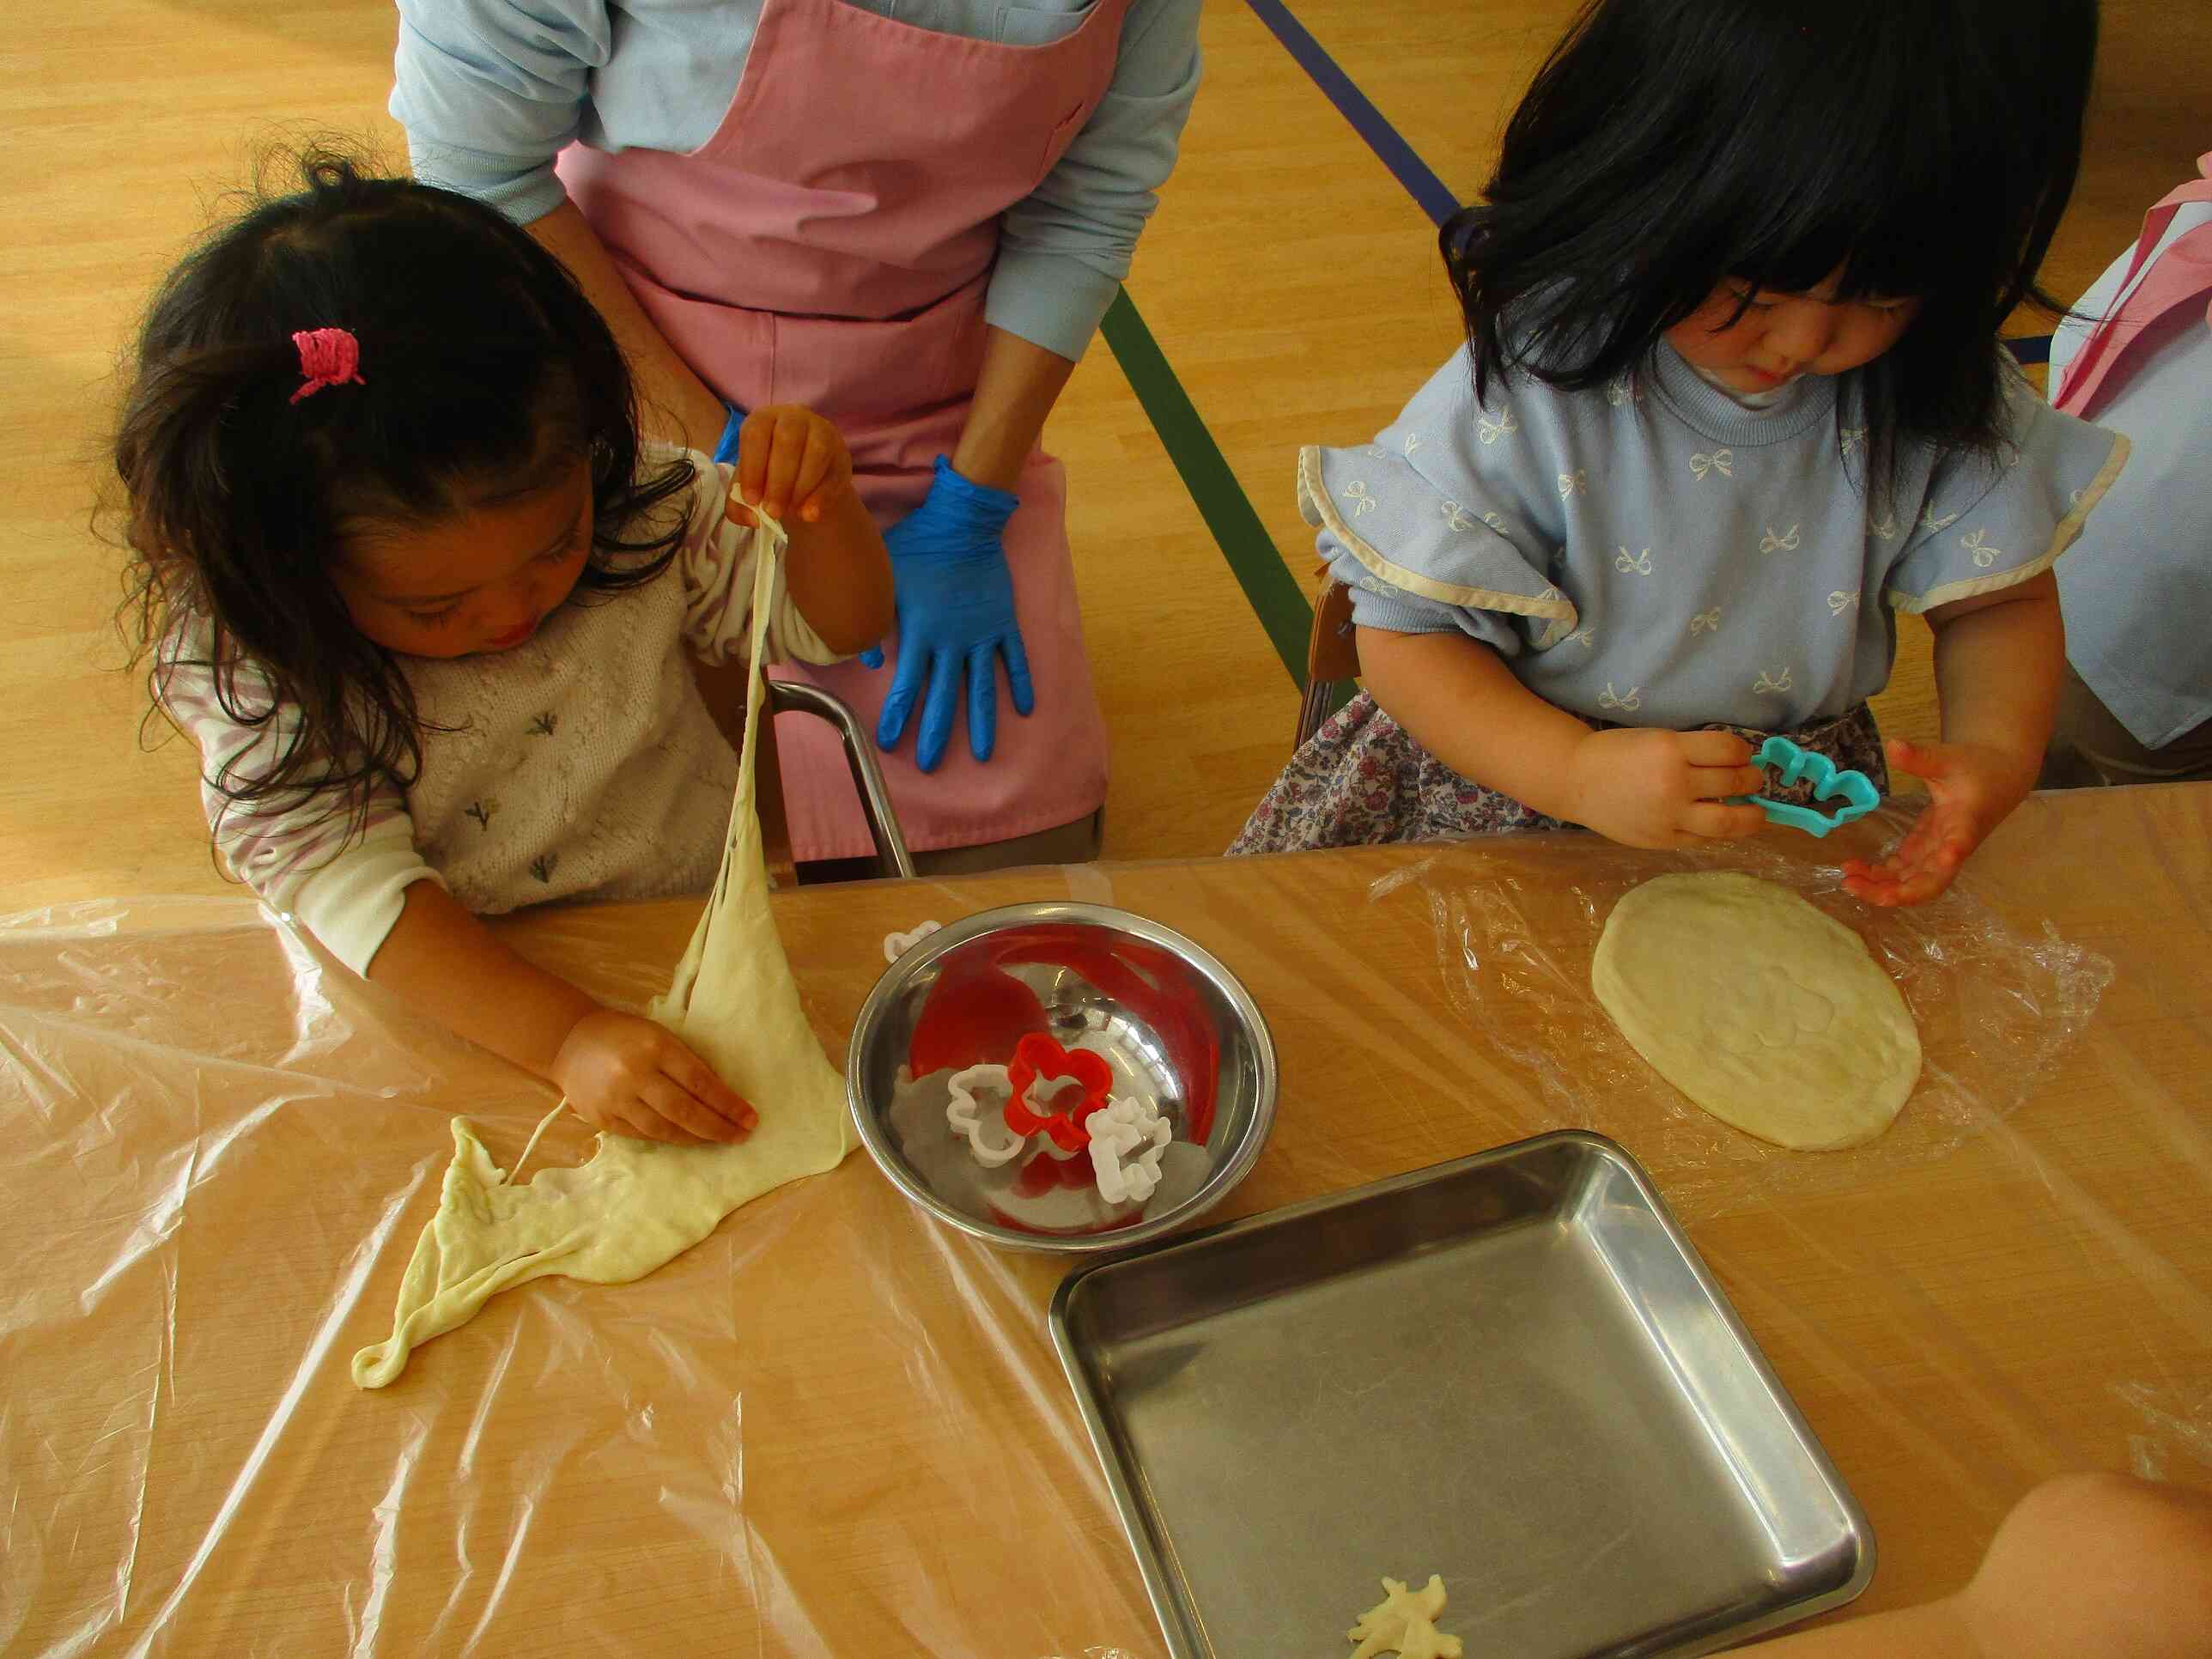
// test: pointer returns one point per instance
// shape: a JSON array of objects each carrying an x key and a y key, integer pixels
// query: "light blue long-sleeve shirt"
[{"x": 491, "y": 91}]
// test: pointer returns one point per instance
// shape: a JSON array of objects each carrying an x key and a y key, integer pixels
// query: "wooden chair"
[{"x": 1332, "y": 654}]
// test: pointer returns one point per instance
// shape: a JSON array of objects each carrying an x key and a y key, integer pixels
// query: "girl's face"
[
  {"x": 481, "y": 581},
  {"x": 1782, "y": 336}
]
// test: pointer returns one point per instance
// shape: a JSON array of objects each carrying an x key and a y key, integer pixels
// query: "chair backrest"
[{"x": 1332, "y": 654}]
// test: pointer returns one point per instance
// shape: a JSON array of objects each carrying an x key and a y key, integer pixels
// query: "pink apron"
[
  {"x": 2182, "y": 275},
  {"x": 830, "y": 246}
]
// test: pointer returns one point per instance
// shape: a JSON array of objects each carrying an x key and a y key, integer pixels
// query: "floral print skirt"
[{"x": 1362, "y": 779}]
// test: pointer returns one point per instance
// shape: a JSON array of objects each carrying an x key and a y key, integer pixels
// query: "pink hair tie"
[{"x": 328, "y": 356}]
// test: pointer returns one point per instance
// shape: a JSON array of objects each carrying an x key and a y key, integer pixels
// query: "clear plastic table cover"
[{"x": 837, "y": 1427}]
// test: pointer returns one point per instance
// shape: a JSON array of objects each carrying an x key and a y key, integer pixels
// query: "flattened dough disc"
[
  {"x": 638, "y": 1204},
  {"x": 1772, "y": 1016}
]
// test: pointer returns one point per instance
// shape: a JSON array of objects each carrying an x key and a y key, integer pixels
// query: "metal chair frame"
[{"x": 786, "y": 697}]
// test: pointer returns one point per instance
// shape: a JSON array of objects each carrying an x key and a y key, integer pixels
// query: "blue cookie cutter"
[{"x": 1795, "y": 765}]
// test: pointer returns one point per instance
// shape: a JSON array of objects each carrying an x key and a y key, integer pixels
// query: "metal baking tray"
[{"x": 1511, "y": 1369}]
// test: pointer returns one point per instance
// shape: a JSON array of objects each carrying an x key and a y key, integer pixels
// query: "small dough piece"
[
  {"x": 1772, "y": 1016},
  {"x": 1404, "y": 1623},
  {"x": 638, "y": 1204}
]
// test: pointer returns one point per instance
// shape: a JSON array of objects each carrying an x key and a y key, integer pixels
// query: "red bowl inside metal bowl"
[{"x": 1175, "y": 1030}]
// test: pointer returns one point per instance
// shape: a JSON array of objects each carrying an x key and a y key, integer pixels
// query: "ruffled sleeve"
[
  {"x": 1430, "y": 526},
  {"x": 1989, "y": 523}
]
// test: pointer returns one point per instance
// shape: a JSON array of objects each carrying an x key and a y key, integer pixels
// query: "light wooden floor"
[{"x": 1292, "y": 285}]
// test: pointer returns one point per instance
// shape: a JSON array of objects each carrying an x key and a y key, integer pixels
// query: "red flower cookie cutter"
[{"x": 1037, "y": 1057}]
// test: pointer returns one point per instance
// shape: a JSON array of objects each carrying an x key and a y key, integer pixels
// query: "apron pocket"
[{"x": 1039, "y": 26}]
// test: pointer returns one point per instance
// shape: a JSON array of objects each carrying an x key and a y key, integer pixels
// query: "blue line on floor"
[{"x": 1419, "y": 179}]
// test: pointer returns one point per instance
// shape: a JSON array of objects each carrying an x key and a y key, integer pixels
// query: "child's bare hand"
[
  {"x": 630, "y": 1075},
  {"x": 791, "y": 463},
  {"x": 1653, "y": 788},
  {"x": 1972, "y": 788}
]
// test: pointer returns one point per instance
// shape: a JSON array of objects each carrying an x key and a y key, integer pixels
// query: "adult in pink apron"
[{"x": 830, "y": 246}]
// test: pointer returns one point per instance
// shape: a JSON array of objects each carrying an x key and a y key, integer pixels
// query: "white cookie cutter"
[
  {"x": 988, "y": 1137},
  {"x": 1118, "y": 1129},
  {"x": 897, "y": 944}
]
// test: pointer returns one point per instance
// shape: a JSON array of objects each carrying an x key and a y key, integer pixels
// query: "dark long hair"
[
  {"x": 1921, "y": 148},
  {"x": 483, "y": 366}
]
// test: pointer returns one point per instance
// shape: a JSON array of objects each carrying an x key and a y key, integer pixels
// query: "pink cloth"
[
  {"x": 831, "y": 245},
  {"x": 2183, "y": 274}
]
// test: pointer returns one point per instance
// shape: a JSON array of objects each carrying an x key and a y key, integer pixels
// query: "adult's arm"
[
  {"x": 490, "y": 93},
  {"x": 1066, "y": 247},
  {"x": 673, "y": 402},
  {"x": 1016, "y": 390}
]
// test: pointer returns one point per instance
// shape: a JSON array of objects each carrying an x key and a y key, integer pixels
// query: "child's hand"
[
  {"x": 1972, "y": 788},
  {"x": 1653, "y": 788},
  {"x": 628, "y": 1074},
  {"x": 791, "y": 463}
]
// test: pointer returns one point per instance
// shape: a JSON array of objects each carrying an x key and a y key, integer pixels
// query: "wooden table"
[{"x": 836, "y": 1427}]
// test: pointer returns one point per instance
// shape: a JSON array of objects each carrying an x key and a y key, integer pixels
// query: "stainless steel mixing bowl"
[{"x": 1173, "y": 1024}]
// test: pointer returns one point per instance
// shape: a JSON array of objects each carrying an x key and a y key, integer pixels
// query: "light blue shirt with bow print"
[{"x": 1657, "y": 553}]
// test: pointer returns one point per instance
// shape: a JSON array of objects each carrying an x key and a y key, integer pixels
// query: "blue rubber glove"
[
  {"x": 955, "y": 606},
  {"x": 725, "y": 448}
]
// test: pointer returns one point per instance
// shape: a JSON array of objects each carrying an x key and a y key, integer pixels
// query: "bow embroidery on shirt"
[
  {"x": 1623, "y": 389},
  {"x": 1721, "y": 461},
  {"x": 1706, "y": 621},
  {"x": 1505, "y": 426},
  {"x": 1456, "y": 515},
  {"x": 1839, "y": 602},
  {"x": 1634, "y": 564},
  {"x": 1774, "y": 684},
  {"x": 1574, "y": 483},
  {"x": 1785, "y": 543},
  {"x": 1494, "y": 520},
  {"x": 1356, "y": 493},
  {"x": 1978, "y": 544},
  {"x": 1931, "y": 524},
  {"x": 1854, "y": 439},
  {"x": 1412, "y": 443},
  {"x": 1629, "y": 703},
  {"x": 1585, "y": 637},
  {"x": 1885, "y": 526}
]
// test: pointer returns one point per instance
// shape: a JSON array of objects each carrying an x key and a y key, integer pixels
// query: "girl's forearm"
[
  {"x": 673, "y": 402},
  {"x": 441, "y": 961},
  {"x": 1998, "y": 664},
  {"x": 839, "y": 574},
  {"x": 1019, "y": 383},
  {"x": 1461, "y": 702}
]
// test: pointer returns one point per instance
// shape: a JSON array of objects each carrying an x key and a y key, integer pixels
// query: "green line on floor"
[{"x": 1271, "y": 590}]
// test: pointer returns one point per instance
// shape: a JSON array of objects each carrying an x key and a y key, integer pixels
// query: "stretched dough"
[
  {"x": 638, "y": 1204},
  {"x": 1772, "y": 1016}
]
